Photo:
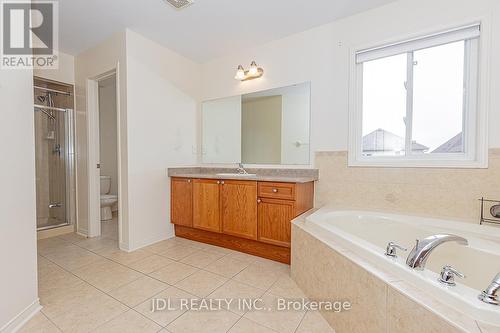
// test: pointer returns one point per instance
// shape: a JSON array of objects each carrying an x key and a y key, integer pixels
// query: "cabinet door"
[
  {"x": 181, "y": 201},
  {"x": 275, "y": 218},
  {"x": 206, "y": 204},
  {"x": 239, "y": 208}
]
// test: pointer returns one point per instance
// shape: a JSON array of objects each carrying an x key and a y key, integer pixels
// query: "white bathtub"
[{"x": 367, "y": 234}]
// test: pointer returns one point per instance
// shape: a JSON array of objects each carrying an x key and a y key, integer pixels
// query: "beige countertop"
[{"x": 263, "y": 175}]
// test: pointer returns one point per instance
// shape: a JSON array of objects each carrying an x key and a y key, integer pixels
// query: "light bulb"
[
  {"x": 253, "y": 69},
  {"x": 240, "y": 73}
]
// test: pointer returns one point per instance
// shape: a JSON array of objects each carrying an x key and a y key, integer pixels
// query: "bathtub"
[{"x": 367, "y": 234}]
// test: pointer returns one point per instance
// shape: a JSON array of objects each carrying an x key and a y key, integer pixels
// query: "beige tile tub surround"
[
  {"x": 380, "y": 301},
  {"x": 435, "y": 192}
]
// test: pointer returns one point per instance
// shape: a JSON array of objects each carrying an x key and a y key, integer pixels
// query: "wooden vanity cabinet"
[
  {"x": 206, "y": 204},
  {"x": 275, "y": 216},
  {"x": 249, "y": 216},
  {"x": 239, "y": 208},
  {"x": 181, "y": 202},
  {"x": 279, "y": 204}
]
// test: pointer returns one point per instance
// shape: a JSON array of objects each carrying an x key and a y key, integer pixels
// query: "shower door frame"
[{"x": 70, "y": 171}]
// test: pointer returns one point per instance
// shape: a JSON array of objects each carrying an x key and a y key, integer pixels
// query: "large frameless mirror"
[{"x": 266, "y": 127}]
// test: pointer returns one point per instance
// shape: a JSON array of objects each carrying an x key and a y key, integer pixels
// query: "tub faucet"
[
  {"x": 420, "y": 253},
  {"x": 490, "y": 294}
]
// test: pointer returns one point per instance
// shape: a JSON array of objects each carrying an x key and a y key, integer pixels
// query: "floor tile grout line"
[
  {"x": 234, "y": 322},
  {"x": 50, "y": 320},
  {"x": 261, "y": 324},
  {"x": 129, "y": 308},
  {"x": 84, "y": 281},
  {"x": 300, "y": 322},
  {"x": 252, "y": 263},
  {"x": 90, "y": 284},
  {"x": 107, "y": 292}
]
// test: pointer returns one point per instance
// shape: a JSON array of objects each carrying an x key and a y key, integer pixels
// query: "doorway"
[
  {"x": 108, "y": 157},
  {"x": 104, "y": 163}
]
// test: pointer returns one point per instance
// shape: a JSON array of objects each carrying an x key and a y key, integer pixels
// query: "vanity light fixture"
[
  {"x": 180, "y": 4},
  {"x": 253, "y": 73}
]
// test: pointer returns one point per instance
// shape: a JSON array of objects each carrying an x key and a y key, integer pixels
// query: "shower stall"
[{"x": 54, "y": 154}]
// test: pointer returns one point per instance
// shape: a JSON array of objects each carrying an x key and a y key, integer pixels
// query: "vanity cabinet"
[
  {"x": 239, "y": 208},
  {"x": 279, "y": 204},
  {"x": 181, "y": 202},
  {"x": 206, "y": 204},
  {"x": 275, "y": 218},
  {"x": 249, "y": 216}
]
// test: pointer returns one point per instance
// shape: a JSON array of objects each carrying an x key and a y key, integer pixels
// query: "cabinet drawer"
[{"x": 277, "y": 190}]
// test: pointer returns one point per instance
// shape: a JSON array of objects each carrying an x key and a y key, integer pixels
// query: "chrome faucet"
[
  {"x": 490, "y": 295},
  {"x": 241, "y": 169},
  {"x": 421, "y": 251}
]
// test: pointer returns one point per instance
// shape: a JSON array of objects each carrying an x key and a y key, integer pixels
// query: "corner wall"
[
  {"x": 18, "y": 278},
  {"x": 162, "y": 99},
  {"x": 65, "y": 73},
  {"x": 158, "y": 100},
  {"x": 101, "y": 59}
]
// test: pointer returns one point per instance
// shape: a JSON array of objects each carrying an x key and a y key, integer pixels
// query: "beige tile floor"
[{"x": 89, "y": 285}]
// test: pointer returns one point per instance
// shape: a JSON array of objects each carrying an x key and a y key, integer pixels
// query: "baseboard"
[
  {"x": 22, "y": 318},
  {"x": 82, "y": 232},
  {"x": 146, "y": 242}
]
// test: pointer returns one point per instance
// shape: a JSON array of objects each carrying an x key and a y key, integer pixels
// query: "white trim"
[
  {"x": 94, "y": 207},
  {"x": 419, "y": 43},
  {"x": 93, "y": 193},
  {"x": 476, "y": 140},
  {"x": 147, "y": 242},
  {"x": 16, "y": 323},
  {"x": 409, "y": 102}
]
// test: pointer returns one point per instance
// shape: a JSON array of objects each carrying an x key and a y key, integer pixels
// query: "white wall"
[
  {"x": 108, "y": 145},
  {"x": 64, "y": 73},
  {"x": 18, "y": 278},
  {"x": 101, "y": 59},
  {"x": 162, "y": 107},
  {"x": 321, "y": 56},
  {"x": 158, "y": 108}
]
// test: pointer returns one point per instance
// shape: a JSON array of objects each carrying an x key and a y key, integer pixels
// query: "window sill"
[{"x": 417, "y": 163}]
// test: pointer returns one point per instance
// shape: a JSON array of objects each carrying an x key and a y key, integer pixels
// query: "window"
[{"x": 415, "y": 103}]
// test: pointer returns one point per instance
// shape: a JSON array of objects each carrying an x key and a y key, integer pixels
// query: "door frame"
[{"x": 93, "y": 158}]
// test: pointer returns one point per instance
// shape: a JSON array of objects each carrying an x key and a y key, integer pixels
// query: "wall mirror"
[{"x": 265, "y": 127}]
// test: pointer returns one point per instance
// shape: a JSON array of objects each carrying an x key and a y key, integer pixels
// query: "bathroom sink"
[{"x": 242, "y": 175}]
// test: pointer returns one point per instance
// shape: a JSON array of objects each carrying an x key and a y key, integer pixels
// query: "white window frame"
[{"x": 475, "y": 101}]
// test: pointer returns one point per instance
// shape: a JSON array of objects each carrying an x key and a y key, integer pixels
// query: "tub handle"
[
  {"x": 391, "y": 250},
  {"x": 448, "y": 274}
]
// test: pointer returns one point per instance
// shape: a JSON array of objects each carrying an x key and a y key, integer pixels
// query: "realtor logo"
[{"x": 29, "y": 34}]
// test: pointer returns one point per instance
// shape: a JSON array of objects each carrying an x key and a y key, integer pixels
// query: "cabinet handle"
[
  {"x": 189, "y": 180},
  {"x": 218, "y": 182},
  {"x": 275, "y": 190},
  {"x": 222, "y": 182},
  {"x": 259, "y": 201}
]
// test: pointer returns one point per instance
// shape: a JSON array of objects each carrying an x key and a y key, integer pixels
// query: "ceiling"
[{"x": 202, "y": 31}]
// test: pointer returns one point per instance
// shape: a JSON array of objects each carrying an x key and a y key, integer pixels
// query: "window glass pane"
[
  {"x": 384, "y": 106},
  {"x": 438, "y": 92}
]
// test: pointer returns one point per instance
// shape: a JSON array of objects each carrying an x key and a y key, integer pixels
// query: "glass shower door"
[{"x": 50, "y": 168}]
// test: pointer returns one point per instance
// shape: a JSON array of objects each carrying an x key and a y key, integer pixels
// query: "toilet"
[{"x": 107, "y": 200}]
